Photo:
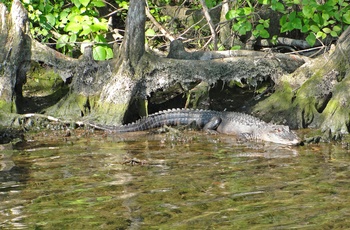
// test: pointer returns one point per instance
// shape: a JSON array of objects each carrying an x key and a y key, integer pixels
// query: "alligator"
[{"x": 235, "y": 123}]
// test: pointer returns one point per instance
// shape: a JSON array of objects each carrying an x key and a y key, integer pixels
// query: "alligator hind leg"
[{"x": 212, "y": 125}]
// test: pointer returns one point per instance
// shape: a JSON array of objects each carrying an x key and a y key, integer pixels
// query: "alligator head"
[{"x": 280, "y": 134}]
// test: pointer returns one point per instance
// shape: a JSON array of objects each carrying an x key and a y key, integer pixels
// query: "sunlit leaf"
[
  {"x": 51, "y": 19},
  {"x": 99, "y": 53},
  {"x": 76, "y": 3},
  {"x": 326, "y": 30},
  {"x": 99, "y": 38},
  {"x": 235, "y": 47},
  {"x": 73, "y": 27},
  {"x": 109, "y": 53},
  {"x": 73, "y": 38},
  {"x": 99, "y": 26},
  {"x": 98, "y": 3},
  {"x": 321, "y": 34},
  {"x": 231, "y": 14},
  {"x": 84, "y": 2},
  {"x": 247, "y": 10},
  {"x": 86, "y": 30},
  {"x": 150, "y": 32}
]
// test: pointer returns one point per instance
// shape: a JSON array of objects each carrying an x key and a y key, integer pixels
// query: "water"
[{"x": 186, "y": 180}]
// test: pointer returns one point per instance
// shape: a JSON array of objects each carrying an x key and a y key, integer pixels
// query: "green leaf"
[
  {"x": 242, "y": 28},
  {"x": 98, "y": 3},
  {"x": 264, "y": 33},
  {"x": 283, "y": 20},
  {"x": 325, "y": 16},
  {"x": 99, "y": 38},
  {"x": 109, "y": 53},
  {"x": 311, "y": 39},
  {"x": 99, "y": 53},
  {"x": 279, "y": 7},
  {"x": 62, "y": 41},
  {"x": 265, "y": 2},
  {"x": 320, "y": 34},
  {"x": 326, "y": 30},
  {"x": 266, "y": 23},
  {"x": 86, "y": 30},
  {"x": 346, "y": 17},
  {"x": 124, "y": 5},
  {"x": 51, "y": 19},
  {"x": 308, "y": 11},
  {"x": 318, "y": 19},
  {"x": 210, "y": 3},
  {"x": 150, "y": 32},
  {"x": 231, "y": 14},
  {"x": 76, "y": 3},
  {"x": 99, "y": 26},
  {"x": 84, "y": 2},
  {"x": 331, "y": 22},
  {"x": 64, "y": 14},
  {"x": 73, "y": 38},
  {"x": 296, "y": 23},
  {"x": 314, "y": 28},
  {"x": 73, "y": 27},
  {"x": 337, "y": 28},
  {"x": 292, "y": 16},
  {"x": 334, "y": 34},
  {"x": 305, "y": 28},
  {"x": 274, "y": 39},
  {"x": 247, "y": 10},
  {"x": 259, "y": 27},
  {"x": 236, "y": 47}
]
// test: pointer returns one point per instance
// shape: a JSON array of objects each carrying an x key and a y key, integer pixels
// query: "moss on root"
[
  {"x": 7, "y": 106},
  {"x": 277, "y": 107}
]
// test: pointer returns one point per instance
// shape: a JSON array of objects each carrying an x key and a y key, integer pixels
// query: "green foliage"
[
  {"x": 7, "y": 3},
  {"x": 69, "y": 24},
  {"x": 315, "y": 20},
  {"x": 243, "y": 16},
  {"x": 211, "y": 3}
]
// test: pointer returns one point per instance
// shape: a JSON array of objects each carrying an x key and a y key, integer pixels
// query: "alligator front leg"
[{"x": 212, "y": 125}]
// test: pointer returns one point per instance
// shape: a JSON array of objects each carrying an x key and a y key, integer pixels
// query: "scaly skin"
[{"x": 239, "y": 124}]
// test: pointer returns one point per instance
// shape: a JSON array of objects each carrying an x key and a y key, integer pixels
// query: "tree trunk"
[
  {"x": 13, "y": 56},
  {"x": 107, "y": 91},
  {"x": 317, "y": 94}
]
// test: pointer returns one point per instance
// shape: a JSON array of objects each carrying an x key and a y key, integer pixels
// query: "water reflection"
[
  {"x": 12, "y": 181},
  {"x": 172, "y": 181}
]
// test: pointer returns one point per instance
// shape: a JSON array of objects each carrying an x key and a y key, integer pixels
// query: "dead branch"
[{"x": 210, "y": 24}]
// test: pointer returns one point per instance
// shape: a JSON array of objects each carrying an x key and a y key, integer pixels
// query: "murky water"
[{"x": 186, "y": 180}]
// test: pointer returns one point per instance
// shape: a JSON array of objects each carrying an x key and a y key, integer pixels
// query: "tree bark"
[
  {"x": 134, "y": 41},
  {"x": 318, "y": 92},
  {"x": 13, "y": 56},
  {"x": 105, "y": 91}
]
